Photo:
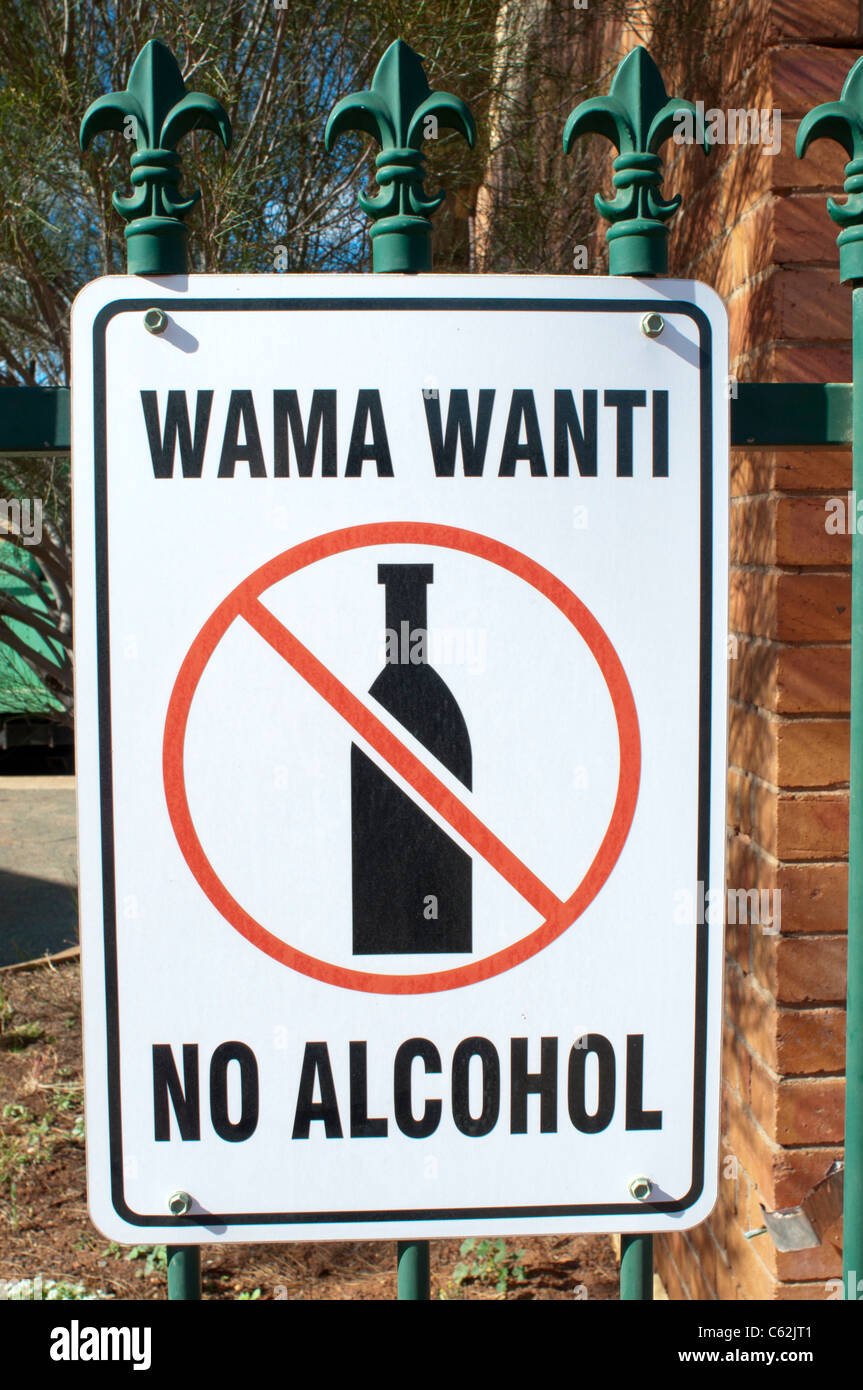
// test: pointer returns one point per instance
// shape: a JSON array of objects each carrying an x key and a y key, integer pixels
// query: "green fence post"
[
  {"x": 155, "y": 111},
  {"x": 400, "y": 111},
  {"x": 414, "y": 1267},
  {"x": 636, "y": 1268},
  {"x": 184, "y": 1273},
  {"x": 842, "y": 121},
  {"x": 637, "y": 117}
]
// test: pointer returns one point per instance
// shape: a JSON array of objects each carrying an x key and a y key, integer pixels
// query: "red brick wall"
[{"x": 756, "y": 227}]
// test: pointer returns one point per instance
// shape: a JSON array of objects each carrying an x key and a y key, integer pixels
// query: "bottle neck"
[{"x": 406, "y": 608}]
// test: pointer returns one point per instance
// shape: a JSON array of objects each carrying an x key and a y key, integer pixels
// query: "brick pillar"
[{"x": 755, "y": 227}]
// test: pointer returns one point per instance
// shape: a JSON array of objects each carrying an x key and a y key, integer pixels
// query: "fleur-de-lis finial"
[
  {"x": 400, "y": 111},
  {"x": 156, "y": 111},
  {"x": 842, "y": 121},
  {"x": 637, "y": 116}
]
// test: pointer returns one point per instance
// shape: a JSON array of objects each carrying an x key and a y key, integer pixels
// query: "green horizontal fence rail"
[
  {"x": 637, "y": 116},
  {"x": 780, "y": 413},
  {"x": 35, "y": 419}
]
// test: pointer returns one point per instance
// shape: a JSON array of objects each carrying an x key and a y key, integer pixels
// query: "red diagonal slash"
[
  {"x": 243, "y": 602},
  {"x": 401, "y": 759}
]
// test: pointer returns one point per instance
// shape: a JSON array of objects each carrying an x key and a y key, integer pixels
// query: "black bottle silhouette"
[{"x": 411, "y": 882}]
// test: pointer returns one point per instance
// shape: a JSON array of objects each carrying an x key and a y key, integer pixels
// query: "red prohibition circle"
[{"x": 242, "y": 600}]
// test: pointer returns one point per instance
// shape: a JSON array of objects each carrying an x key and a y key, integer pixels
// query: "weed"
[
  {"x": 52, "y": 1290},
  {"x": 248, "y": 1297},
  {"x": 17, "y": 1112},
  {"x": 155, "y": 1258},
  {"x": 16, "y": 1039},
  {"x": 26, "y": 1138},
  {"x": 490, "y": 1263},
  {"x": 15, "y": 1151},
  {"x": 65, "y": 1289},
  {"x": 68, "y": 1096}
]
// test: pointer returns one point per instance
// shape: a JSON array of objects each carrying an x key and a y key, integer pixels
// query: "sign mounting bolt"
[
  {"x": 639, "y": 1188},
  {"x": 652, "y": 325},
  {"x": 155, "y": 320},
  {"x": 179, "y": 1203}
]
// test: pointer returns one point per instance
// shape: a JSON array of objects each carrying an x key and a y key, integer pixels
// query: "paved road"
[{"x": 38, "y": 871}]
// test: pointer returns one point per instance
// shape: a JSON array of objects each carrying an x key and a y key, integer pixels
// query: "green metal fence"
[{"x": 637, "y": 116}]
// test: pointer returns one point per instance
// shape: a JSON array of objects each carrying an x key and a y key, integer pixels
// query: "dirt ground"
[{"x": 45, "y": 1230}]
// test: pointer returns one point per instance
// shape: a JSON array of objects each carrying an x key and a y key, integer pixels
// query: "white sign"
[{"x": 401, "y": 680}]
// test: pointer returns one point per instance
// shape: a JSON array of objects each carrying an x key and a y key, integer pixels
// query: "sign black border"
[{"x": 209, "y": 1220}]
